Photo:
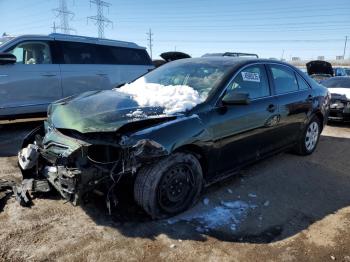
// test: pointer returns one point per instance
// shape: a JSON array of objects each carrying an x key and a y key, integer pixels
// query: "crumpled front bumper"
[{"x": 64, "y": 161}]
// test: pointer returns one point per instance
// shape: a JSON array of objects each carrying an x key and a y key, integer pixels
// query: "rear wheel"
[
  {"x": 169, "y": 186},
  {"x": 308, "y": 142}
]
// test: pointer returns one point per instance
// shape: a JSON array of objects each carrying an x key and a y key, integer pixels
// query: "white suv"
[{"x": 37, "y": 70}]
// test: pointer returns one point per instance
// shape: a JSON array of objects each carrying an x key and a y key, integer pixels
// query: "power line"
[
  {"x": 150, "y": 41},
  {"x": 64, "y": 15},
  {"x": 100, "y": 20}
]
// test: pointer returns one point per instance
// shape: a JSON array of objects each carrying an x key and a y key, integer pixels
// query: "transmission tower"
[
  {"x": 64, "y": 15},
  {"x": 150, "y": 41},
  {"x": 100, "y": 20}
]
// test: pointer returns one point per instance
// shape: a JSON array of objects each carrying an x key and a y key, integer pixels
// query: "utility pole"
[
  {"x": 346, "y": 40},
  {"x": 54, "y": 27},
  {"x": 100, "y": 20},
  {"x": 282, "y": 55},
  {"x": 64, "y": 15},
  {"x": 150, "y": 41}
]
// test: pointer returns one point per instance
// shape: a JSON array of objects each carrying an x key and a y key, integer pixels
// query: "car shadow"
[{"x": 283, "y": 195}]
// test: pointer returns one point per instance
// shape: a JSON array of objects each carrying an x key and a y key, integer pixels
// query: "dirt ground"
[{"x": 286, "y": 208}]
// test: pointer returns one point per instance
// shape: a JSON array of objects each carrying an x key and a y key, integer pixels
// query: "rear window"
[
  {"x": 284, "y": 79},
  {"x": 78, "y": 53}
]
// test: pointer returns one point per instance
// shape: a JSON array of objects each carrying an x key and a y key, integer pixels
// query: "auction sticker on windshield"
[{"x": 248, "y": 76}]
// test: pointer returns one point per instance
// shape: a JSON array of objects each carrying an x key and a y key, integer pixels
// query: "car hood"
[
  {"x": 319, "y": 67},
  {"x": 339, "y": 91},
  {"x": 100, "y": 111}
]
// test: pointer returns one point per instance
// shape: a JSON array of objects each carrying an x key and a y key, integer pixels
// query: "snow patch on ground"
[
  {"x": 175, "y": 99},
  {"x": 228, "y": 214}
]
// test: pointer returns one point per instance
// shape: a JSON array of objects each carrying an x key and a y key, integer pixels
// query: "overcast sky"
[{"x": 266, "y": 27}]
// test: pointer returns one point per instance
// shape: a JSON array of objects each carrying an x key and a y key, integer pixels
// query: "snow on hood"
[
  {"x": 340, "y": 91},
  {"x": 173, "y": 98}
]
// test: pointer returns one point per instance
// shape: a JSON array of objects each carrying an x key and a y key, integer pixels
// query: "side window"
[
  {"x": 284, "y": 79},
  {"x": 78, "y": 53},
  {"x": 302, "y": 83},
  {"x": 251, "y": 80},
  {"x": 32, "y": 53},
  {"x": 130, "y": 56}
]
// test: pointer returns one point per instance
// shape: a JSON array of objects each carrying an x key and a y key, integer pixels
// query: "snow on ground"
[
  {"x": 174, "y": 98},
  {"x": 227, "y": 214}
]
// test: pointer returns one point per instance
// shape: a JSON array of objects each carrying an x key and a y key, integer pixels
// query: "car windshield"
[
  {"x": 203, "y": 77},
  {"x": 177, "y": 86},
  {"x": 337, "y": 82}
]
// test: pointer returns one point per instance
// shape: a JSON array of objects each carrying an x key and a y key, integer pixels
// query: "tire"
[
  {"x": 169, "y": 186},
  {"x": 310, "y": 137}
]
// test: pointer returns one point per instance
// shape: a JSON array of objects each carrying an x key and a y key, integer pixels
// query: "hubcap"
[
  {"x": 176, "y": 188},
  {"x": 311, "y": 136}
]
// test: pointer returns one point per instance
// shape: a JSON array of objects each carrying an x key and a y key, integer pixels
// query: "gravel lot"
[{"x": 288, "y": 208}]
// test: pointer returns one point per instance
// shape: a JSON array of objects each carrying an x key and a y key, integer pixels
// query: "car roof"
[
  {"x": 230, "y": 61},
  {"x": 77, "y": 38}
]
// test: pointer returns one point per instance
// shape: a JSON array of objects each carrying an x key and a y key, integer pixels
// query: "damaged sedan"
[{"x": 175, "y": 130}]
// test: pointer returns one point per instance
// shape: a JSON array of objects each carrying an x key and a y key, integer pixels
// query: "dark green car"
[{"x": 204, "y": 119}]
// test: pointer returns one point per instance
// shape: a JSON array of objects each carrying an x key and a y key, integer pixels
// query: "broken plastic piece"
[
  {"x": 28, "y": 157},
  {"x": 22, "y": 192}
]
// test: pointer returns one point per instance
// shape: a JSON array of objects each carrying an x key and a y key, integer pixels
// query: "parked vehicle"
[
  {"x": 232, "y": 54},
  {"x": 319, "y": 70},
  {"x": 339, "y": 71},
  {"x": 339, "y": 87},
  {"x": 43, "y": 69},
  {"x": 229, "y": 113},
  {"x": 169, "y": 56}
]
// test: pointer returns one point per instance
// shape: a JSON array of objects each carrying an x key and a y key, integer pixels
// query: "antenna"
[
  {"x": 150, "y": 41},
  {"x": 100, "y": 20},
  {"x": 64, "y": 14}
]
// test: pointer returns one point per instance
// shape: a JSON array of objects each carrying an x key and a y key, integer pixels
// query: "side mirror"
[
  {"x": 233, "y": 98},
  {"x": 6, "y": 59}
]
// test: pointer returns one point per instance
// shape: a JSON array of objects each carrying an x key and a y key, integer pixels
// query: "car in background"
[
  {"x": 37, "y": 70},
  {"x": 339, "y": 87},
  {"x": 347, "y": 71},
  {"x": 319, "y": 70},
  {"x": 175, "y": 130},
  {"x": 169, "y": 56},
  {"x": 232, "y": 54},
  {"x": 339, "y": 71}
]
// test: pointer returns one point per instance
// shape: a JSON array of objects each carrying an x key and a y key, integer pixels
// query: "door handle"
[
  {"x": 271, "y": 108},
  {"x": 49, "y": 75},
  {"x": 101, "y": 74},
  {"x": 310, "y": 98}
]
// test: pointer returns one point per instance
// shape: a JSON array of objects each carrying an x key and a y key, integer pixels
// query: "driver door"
[{"x": 243, "y": 132}]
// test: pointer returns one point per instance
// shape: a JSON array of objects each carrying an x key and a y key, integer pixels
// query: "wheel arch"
[{"x": 199, "y": 153}]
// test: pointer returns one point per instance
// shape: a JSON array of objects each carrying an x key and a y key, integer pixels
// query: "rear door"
[
  {"x": 79, "y": 68},
  {"x": 294, "y": 101},
  {"x": 32, "y": 83},
  {"x": 242, "y": 132}
]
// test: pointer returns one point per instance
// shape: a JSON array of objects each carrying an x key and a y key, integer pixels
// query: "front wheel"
[
  {"x": 169, "y": 186},
  {"x": 309, "y": 140}
]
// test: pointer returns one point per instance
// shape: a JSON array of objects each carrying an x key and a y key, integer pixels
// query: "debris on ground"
[
  {"x": 5, "y": 190},
  {"x": 252, "y": 195},
  {"x": 24, "y": 191},
  {"x": 267, "y": 203}
]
